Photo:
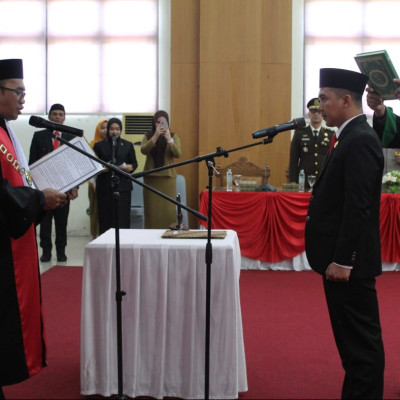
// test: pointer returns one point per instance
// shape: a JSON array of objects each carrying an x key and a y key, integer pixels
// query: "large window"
[
  {"x": 335, "y": 31},
  {"x": 93, "y": 56}
]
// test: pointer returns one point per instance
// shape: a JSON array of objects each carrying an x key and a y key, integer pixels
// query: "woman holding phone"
[{"x": 160, "y": 147}]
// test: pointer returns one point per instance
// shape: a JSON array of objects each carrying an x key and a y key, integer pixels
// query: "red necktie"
[
  {"x": 333, "y": 141},
  {"x": 56, "y": 143}
]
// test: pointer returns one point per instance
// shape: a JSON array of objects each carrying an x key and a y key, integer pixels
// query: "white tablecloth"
[{"x": 163, "y": 316}]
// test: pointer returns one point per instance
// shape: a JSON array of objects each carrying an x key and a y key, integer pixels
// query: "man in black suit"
[
  {"x": 42, "y": 144},
  {"x": 309, "y": 145},
  {"x": 342, "y": 232}
]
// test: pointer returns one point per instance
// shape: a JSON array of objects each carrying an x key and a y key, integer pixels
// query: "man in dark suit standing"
[
  {"x": 309, "y": 145},
  {"x": 342, "y": 232},
  {"x": 42, "y": 144}
]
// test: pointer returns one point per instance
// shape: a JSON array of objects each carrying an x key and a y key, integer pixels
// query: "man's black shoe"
[
  {"x": 45, "y": 257},
  {"x": 61, "y": 257}
]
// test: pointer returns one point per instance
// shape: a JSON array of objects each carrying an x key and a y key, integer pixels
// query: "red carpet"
[
  {"x": 290, "y": 350},
  {"x": 61, "y": 289}
]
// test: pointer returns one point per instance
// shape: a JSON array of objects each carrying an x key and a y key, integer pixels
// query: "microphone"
[
  {"x": 273, "y": 130},
  {"x": 39, "y": 122},
  {"x": 114, "y": 146}
]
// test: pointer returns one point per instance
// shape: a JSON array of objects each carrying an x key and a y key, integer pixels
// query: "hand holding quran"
[{"x": 383, "y": 78}]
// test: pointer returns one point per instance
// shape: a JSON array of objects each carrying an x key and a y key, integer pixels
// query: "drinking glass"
[
  {"x": 311, "y": 181},
  {"x": 236, "y": 180}
]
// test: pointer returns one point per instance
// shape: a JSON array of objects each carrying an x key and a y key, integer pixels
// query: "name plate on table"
[{"x": 196, "y": 234}]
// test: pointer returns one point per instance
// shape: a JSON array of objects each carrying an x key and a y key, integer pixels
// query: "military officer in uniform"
[{"x": 309, "y": 145}]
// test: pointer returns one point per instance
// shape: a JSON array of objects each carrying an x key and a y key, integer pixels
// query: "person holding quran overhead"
[
  {"x": 342, "y": 235},
  {"x": 22, "y": 339},
  {"x": 385, "y": 122},
  {"x": 42, "y": 144}
]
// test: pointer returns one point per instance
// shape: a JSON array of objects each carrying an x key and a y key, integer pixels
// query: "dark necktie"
[
  {"x": 315, "y": 133},
  {"x": 333, "y": 141}
]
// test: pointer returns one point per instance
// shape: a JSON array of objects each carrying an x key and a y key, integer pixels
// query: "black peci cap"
[
  {"x": 342, "y": 79},
  {"x": 11, "y": 69},
  {"x": 57, "y": 106}
]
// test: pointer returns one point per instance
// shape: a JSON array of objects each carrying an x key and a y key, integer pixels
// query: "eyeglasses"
[
  {"x": 315, "y": 111},
  {"x": 20, "y": 93}
]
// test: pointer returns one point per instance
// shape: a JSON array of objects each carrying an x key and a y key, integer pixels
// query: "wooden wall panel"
[
  {"x": 186, "y": 124},
  {"x": 230, "y": 76},
  {"x": 277, "y": 32},
  {"x": 185, "y": 90},
  {"x": 229, "y": 107},
  {"x": 231, "y": 31}
]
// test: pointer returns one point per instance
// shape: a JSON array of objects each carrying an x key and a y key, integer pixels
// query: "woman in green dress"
[{"x": 161, "y": 147}]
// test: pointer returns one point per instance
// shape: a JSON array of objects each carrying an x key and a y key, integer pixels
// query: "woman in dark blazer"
[{"x": 120, "y": 153}]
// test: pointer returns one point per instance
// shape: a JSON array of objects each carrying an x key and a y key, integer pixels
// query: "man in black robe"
[{"x": 22, "y": 346}]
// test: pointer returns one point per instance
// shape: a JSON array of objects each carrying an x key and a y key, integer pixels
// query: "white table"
[{"x": 163, "y": 317}]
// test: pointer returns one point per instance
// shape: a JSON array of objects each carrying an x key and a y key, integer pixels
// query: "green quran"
[{"x": 381, "y": 72}]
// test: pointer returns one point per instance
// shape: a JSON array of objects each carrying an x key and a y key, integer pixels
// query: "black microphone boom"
[
  {"x": 39, "y": 122},
  {"x": 273, "y": 130}
]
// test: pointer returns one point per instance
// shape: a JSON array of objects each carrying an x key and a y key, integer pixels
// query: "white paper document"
[{"x": 65, "y": 168}]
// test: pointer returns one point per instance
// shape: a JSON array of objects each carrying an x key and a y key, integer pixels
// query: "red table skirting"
[{"x": 270, "y": 225}]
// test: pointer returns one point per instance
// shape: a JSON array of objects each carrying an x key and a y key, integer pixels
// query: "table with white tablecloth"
[{"x": 163, "y": 317}]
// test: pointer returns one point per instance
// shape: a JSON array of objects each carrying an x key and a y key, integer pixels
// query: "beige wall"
[{"x": 230, "y": 75}]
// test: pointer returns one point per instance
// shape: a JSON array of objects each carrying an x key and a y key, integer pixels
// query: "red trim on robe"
[{"x": 27, "y": 275}]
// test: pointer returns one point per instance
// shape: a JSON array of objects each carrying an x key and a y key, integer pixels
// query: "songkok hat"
[
  {"x": 11, "y": 69},
  {"x": 57, "y": 107},
  {"x": 313, "y": 104},
  {"x": 342, "y": 79}
]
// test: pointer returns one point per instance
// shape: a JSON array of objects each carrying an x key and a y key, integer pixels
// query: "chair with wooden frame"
[{"x": 252, "y": 175}]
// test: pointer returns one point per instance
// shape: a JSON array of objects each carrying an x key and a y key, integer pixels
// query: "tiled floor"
[{"x": 74, "y": 251}]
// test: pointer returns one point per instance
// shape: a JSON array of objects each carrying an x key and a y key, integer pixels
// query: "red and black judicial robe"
[{"x": 22, "y": 345}]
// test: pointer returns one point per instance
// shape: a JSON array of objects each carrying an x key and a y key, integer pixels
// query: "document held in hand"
[{"x": 65, "y": 168}]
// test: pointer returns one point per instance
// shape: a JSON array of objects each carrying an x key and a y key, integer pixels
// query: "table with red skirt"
[{"x": 270, "y": 227}]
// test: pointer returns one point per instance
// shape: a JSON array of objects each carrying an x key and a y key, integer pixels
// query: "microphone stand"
[
  {"x": 209, "y": 159},
  {"x": 179, "y": 216},
  {"x": 127, "y": 175},
  {"x": 116, "y": 173},
  {"x": 119, "y": 293}
]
